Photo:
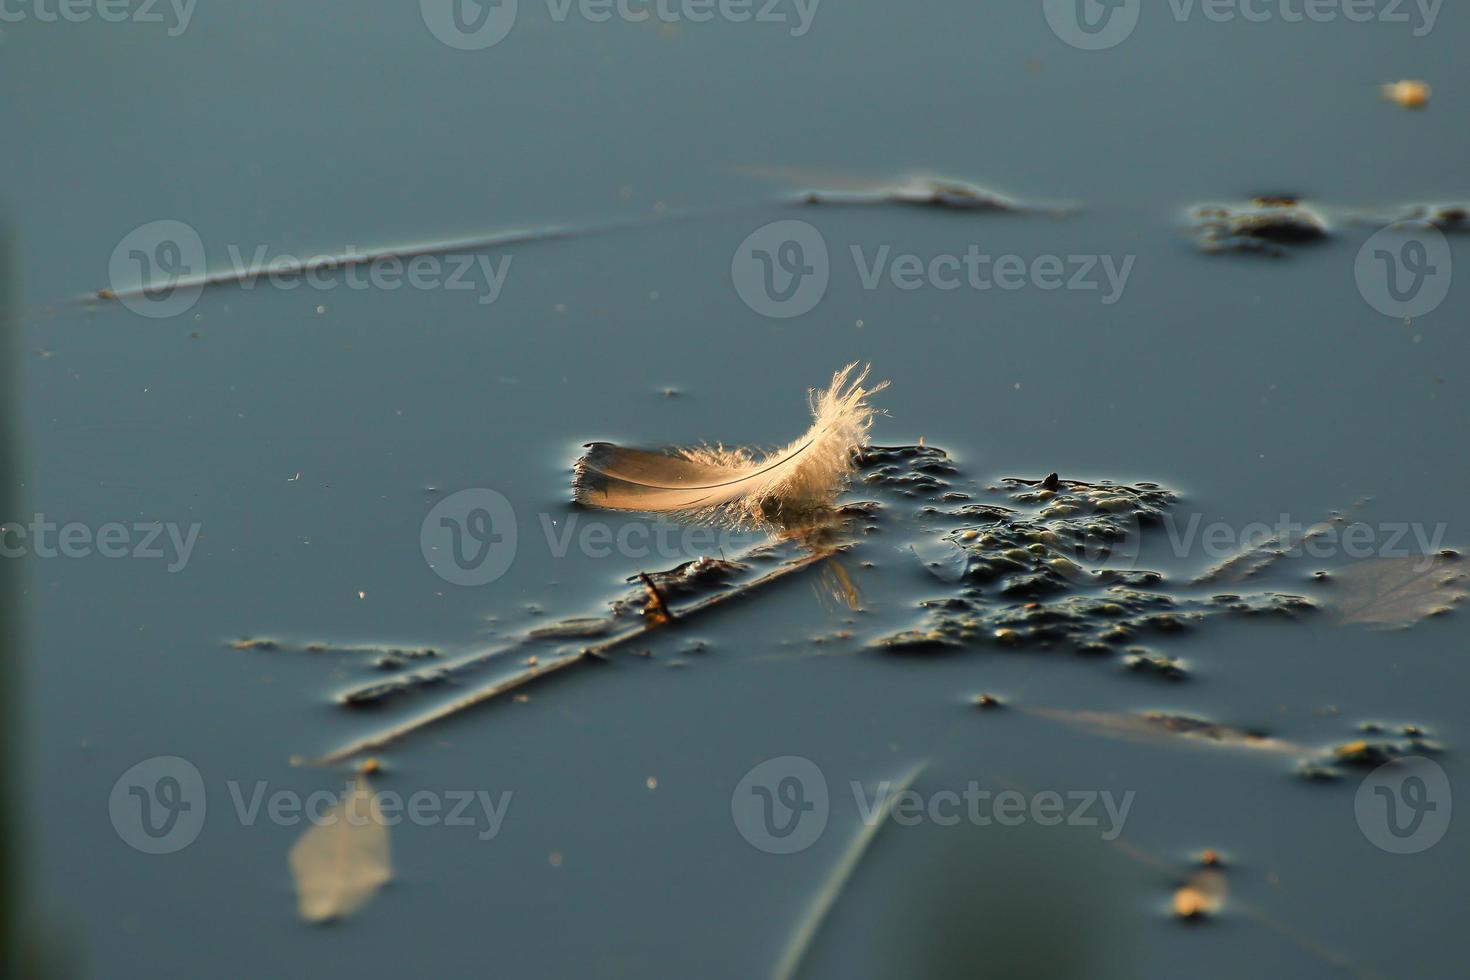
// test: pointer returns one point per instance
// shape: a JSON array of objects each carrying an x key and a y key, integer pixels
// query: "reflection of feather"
[{"x": 736, "y": 483}]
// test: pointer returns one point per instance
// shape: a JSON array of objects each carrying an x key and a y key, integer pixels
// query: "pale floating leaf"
[
  {"x": 1397, "y": 591},
  {"x": 342, "y": 861}
]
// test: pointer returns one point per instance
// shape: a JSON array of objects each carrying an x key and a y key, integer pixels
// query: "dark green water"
[{"x": 307, "y": 432}]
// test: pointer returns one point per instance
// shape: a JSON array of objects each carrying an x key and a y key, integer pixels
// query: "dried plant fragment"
[
  {"x": 1398, "y": 591},
  {"x": 342, "y": 860},
  {"x": 1157, "y": 726},
  {"x": 1266, "y": 224}
]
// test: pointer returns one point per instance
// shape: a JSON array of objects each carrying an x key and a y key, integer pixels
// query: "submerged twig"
[
  {"x": 832, "y": 888},
  {"x": 539, "y": 670}
]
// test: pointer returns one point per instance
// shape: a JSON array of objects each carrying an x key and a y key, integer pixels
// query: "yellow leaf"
[{"x": 342, "y": 860}]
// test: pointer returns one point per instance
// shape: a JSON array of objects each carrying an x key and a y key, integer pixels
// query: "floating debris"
[
  {"x": 1265, "y": 225},
  {"x": 1398, "y": 591},
  {"x": 1453, "y": 218},
  {"x": 1202, "y": 895},
  {"x": 374, "y": 651},
  {"x": 930, "y": 192},
  {"x": 1142, "y": 661},
  {"x": 922, "y": 190},
  {"x": 1408, "y": 93},
  {"x": 1260, "y": 555},
  {"x": 701, "y": 576},
  {"x": 1026, "y": 565}
]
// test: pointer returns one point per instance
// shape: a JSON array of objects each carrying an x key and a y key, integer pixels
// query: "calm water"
[{"x": 308, "y": 432}]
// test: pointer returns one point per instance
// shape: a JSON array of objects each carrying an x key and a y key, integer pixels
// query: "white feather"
[{"x": 737, "y": 485}]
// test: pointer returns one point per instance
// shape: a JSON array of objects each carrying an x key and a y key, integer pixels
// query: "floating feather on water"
[{"x": 738, "y": 485}]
